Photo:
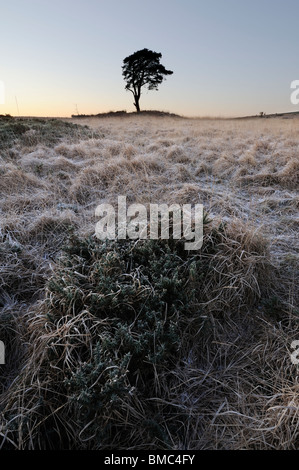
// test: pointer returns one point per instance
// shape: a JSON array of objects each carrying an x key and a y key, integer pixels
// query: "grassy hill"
[{"x": 143, "y": 345}]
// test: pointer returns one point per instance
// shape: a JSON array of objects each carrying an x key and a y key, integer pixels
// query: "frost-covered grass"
[{"x": 233, "y": 386}]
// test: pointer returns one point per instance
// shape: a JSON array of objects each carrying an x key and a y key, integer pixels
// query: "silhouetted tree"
[{"x": 141, "y": 69}]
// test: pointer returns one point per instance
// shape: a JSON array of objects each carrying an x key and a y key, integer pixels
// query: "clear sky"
[{"x": 229, "y": 57}]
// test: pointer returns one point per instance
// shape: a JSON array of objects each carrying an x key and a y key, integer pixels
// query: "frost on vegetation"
[{"x": 112, "y": 321}]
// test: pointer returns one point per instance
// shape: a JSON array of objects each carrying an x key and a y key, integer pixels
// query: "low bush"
[{"x": 118, "y": 319}]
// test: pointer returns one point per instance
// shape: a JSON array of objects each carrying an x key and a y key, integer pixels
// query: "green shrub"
[
  {"x": 43, "y": 131},
  {"x": 137, "y": 295},
  {"x": 118, "y": 322}
]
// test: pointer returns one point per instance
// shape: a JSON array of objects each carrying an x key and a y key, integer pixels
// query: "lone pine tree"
[{"x": 143, "y": 69}]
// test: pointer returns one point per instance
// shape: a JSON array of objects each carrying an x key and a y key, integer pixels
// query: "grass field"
[{"x": 217, "y": 373}]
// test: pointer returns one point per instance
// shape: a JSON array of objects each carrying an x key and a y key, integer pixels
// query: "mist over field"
[{"x": 218, "y": 373}]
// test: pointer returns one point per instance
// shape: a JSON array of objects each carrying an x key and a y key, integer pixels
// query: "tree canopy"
[{"x": 143, "y": 69}]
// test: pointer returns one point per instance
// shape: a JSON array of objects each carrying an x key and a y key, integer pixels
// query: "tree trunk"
[{"x": 136, "y": 104}]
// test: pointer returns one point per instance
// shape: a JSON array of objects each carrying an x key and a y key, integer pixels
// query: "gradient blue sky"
[{"x": 229, "y": 57}]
